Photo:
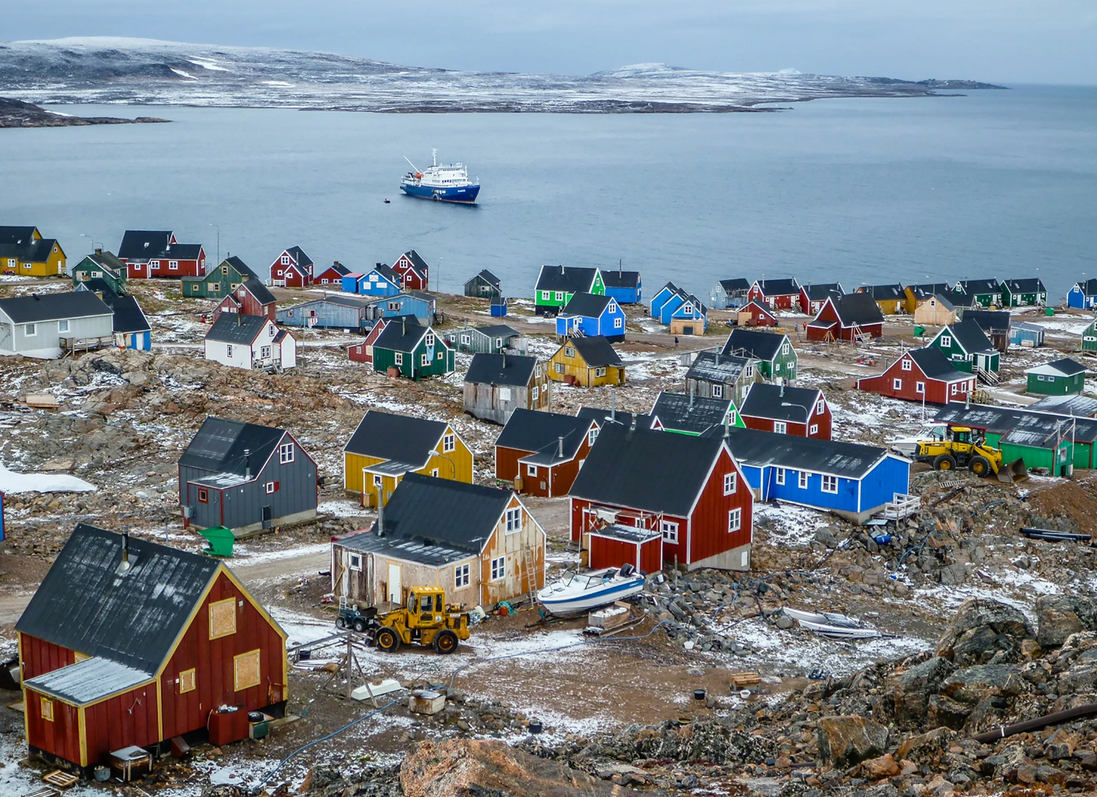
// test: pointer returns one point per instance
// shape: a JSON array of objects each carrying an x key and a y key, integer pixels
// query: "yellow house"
[
  {"x": 24, "y": 251},
  {"x": 891, "y": 299},
  {"x": 385, "y": 447},
  {"x": 589, "y": 362}
]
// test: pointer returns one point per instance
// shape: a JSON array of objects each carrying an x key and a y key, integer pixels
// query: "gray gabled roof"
[
  {"x": 1088, "y": 287},
  {"x": 128, "y": 317},
  {"x": 16, "y": 234},
  {"x": 403, "y": 334},
  {"x": 711, "y": 366},
  {"x": 647, "y": 470},
  {"x": 1028, "y": 285},
  {"x": 1073, "y": 404},
  {"x": 857, "y": 308},
  {"x": 782, "y": 287},
  {"x": 755, "y": 448},
  {"x": 569, "y": 279},
  {"x": 241, "y": 267},
  {"x": 1028, "y": 424},
  {"x": 535, "y": 431},
  {"x": 298, "y": 254},
  {"x": 979, "y": 287},
  {"x": 935, "y": 365},
  {"x": 969, "y": 335},
  {"x": 88, "y": 681},
  {"x": 220, "y": 446},
  {"x": 386, "y": 272},
  {"x": 143, "y": 244},
  {"x": 487, "y": 277},
  {"x": 780, "y": 403},
  {"x": 685, "y": 413},
  {"x": 596, "y": 351},
  {"x": 384, "y": 435},
  {"x": 501, "y": 369},
  {"x": 260, "y": 291},
  {"x": 603, "y": 416},
  {"x": 992, "y": 321},
  {"x": 1063, "y": 367},
  {"x": 108, "y": 262},
  {"x": 755, "y": 343},
  {"x": 237, "y": 328},
  {"x": 132, "y": 614},
  {"x": 589, "y": 305},
  {"x": 735, "y": 285},
  {"x": 498, "y": 331},
  {"x": 884, "y": 292},
  {"x": 38, "y": 308},
  {"x": 444, "y": 512},
  {"x": 820, "y": 291},
  {"x": 620, "y": 279},
  {"x": 418, "y": 262}
]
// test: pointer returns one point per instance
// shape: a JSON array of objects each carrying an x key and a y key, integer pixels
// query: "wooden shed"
[
  {"x": 936, "y": 311},
  {"x": 131, "y": 643},
  {"x": 498, "y": 384},
  {"x": 615, "y": 545}
]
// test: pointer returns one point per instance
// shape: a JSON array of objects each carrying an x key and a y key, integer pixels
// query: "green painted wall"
[
  {"x": 441, "y": 362},
  {"x": 1055, "y": 385}
]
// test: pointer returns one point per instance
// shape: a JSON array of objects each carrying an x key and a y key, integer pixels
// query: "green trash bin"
[
  {"x": 919, "y": 331},
  {"x": 1049, "y": 311},
  {"x": 220, "y": 541}
]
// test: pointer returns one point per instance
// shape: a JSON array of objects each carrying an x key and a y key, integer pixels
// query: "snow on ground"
[
  {"x": 793, "y": 526},
  {"x": 241, "y": 554},
  {"x": 12, "y": 482},
  {"x": 343, "y": 508}
]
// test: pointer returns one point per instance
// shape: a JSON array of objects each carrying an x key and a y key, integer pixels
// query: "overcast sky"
[{"x": 1018, "y": 41}]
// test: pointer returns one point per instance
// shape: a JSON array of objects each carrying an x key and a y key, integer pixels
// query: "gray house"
[
  {"x": 45, "y": 325},
  {"x": 487, "y": 340},
  {"x": 484, "y": 285},
  {"x": 245, "y": 477},
  {"x": 716, "y": 375},
  {"x": 334, "y": 311},
  {"x": 498, "y": 384}
]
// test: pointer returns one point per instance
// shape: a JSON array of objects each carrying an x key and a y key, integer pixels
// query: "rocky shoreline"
[{"x": 15, "y": 113}]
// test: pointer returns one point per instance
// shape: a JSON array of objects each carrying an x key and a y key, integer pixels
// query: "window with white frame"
[
  {"x": 776, "y": 368},
  {"x": 784, "y": 348},
  {"x": 717, "y": 391},
  {"x": 946, "y": 341},
  {"x": 504, "y": 394},
  {"x": 466, "y": 340},
  {"x": 173, "y": 265},
  {"x": 558, "y": 367},
  {"x": 780, "y": 427},
  {"x": 748, "y": 372},
  {"x": 461, "y": 576},
  {"x": 559, "y": 296},
  {"x": 424, "y": 360},
  {"x": 264, "y": 352},
  {"x": 600, "y": 371},
  {"x": 830, "y": 484},
  {"x": 285, "y": 260},
  {"x": 514, "y": 519},
  {"x": 592, "y": 435},
  {"x": 906, "y": 364},
  {"x": 228, "y": 350},
  {"x": 271, "y": 488},
  {"x": 735, "y": 520},
  {"x": 618, "y": 323},
  {"x": 63, "y": 327},
  {"x": 814, "y": 429},
  {"x": 803, "y": 482},
  {"x": 531, "y": 470},
  {"x": 285, "y": 453},
  {"x": 394, "y": 306},
  {"x": 896, "y": 384},
  {"x": 31, "y": 330},
  {"x": 821, "y": 407},
  {"x": 535, "y": 394},
  {"x": 356, "y": 561},
  {"x": 378, "y": 480},
  {"x": 569, "y": 351},
  {"x": 498, "y": 568},
  {"x": 429, "y": 339},
  {"x": 398, "y": 358},
  {"x": 920, "y": 387},
  {"x": 669, "y": 530},
  {"x": 779, "y": 476},
  {"x": 449, "y": 443},
  {"x": 730, "y": 483}
]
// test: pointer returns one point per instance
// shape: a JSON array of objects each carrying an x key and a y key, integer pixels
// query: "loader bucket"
[{"x": 1013, "y": 472}]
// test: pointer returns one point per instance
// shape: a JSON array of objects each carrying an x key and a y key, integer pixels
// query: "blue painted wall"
[
  {"x": 591, "y": 325},
  {"x": 658, "y": 300},
  {"x": 350, "y": 283},
  {"x": 328, "y": 315},
  {"x": 373, "y": 284},
  {"x": 666, "y": 312},
  {"x": 890, "y": 476},
  {"x": 626, "y": 295},
  {"x": 1076, "y": 298}
]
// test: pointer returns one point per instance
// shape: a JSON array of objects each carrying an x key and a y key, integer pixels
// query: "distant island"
[
  {"x": 148, "y": 72},
  {"x": 15, "y": 113}
]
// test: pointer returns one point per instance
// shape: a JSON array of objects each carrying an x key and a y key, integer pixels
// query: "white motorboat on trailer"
[{"x": 582, "y": 592}]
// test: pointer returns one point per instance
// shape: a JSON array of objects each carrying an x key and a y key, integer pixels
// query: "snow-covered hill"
[{"x": 145, "y": 71}]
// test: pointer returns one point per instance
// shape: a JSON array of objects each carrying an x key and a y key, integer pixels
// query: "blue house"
[
  {"x": 624, "y": 286},
  {"x": 420, "y": 305},
  {"x": 655, "y": 308},
  {"x": 588, "y": 314},
  {"x": 1022, "y": 333},
  {"x": 333, "y": 311},
  {"x": 671, "y": 305},
  {"x": 689, "y": 318},
  {"x": 1083, "y": 295},
  {"x": 350, "y": 280},
  {"x": 498, "y": 306},
  {"x": 131, "y": 328},
  {"x": 852, "y": 481},
  {"x": 381, "y": 280}
]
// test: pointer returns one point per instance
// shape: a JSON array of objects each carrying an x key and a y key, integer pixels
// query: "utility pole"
[{"x": 218, "y": 242}]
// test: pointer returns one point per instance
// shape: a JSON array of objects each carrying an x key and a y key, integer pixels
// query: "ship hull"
[{"x": 464, "y": 195}]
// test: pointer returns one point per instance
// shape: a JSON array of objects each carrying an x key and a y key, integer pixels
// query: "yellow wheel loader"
[
  {"x": 963, "y": 447},
  {"x": 427, "y": 620}
]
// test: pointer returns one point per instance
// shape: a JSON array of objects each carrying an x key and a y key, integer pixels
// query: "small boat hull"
[
  {"x": 821, "y": 618},
  {"x": 839, "y": 632},
  {"x": 582, "y": 594}
]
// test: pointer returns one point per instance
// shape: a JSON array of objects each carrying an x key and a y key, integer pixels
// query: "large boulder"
[
  {"x": 982, "y": 630},
  {"x": 973, "y": 684},
  {"x": 1059, "y": 616},
  {"x": 846, "y": 741},
  {"x": 461, "y": 767},
  {"x": 912, "y": 689}
]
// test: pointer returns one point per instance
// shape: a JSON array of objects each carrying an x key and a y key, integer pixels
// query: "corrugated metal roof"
[
  {"x": 385, "y": 435},
  {"x": 501, "y": 369},
  {"x": 220, "y": 444},
  {"x": 53, "y": 307},
  {"x": 760, "y": 449},
  {"x": 535, "y": 431},
  {"x": 711, "y": 366},
  {"x": 685, "y": 413},
  {"x": 89, "y": 680}
]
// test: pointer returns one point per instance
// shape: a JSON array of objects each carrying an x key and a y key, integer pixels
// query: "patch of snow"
[
  {"x": 12, "y": 482},
  {"x": 277, "y": 83},
  {"x": 344, "y": 508},
  {"x": 241, "y": 554},
  {"x": 183, "y": 73},
  {"x": 205, "y": 63}
]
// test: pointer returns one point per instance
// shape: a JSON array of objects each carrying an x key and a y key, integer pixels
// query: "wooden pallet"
[
  {"x": 45, "y": 791},
  {"x": 60, "y": 779},
  {"x": 743, "y": 679}
]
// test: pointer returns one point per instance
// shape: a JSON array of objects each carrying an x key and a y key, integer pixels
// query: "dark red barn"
[
  {"x": 755, "y": 314},
  {"x": 854, "y": 316},
  {"x": 413, "y": 271},
  {"x": 292, "y": 269},
  {"x": 251, "y": 297},
  {"x": 688, "y": 489},
  {"x": 779, "y": 294},
  {"x": 924, "y": 374},
  {"x": 798, "y": 411},
  {"x": 613, "y": 546},
  {"x": 541, "y": 452},
  {"x": 131, "y": 643}
]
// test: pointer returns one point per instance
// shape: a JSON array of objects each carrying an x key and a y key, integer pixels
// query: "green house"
[
  {"x": 980, "y": 293},
  {"x": 776, "y": 356},
  {"x": 219, "y": 282},
  {"x": 1089, "y": 337},
  {"x": 1059, "y": 378},
  {"x": 414, "y": 350},
  {"x": 102, "y": 265},
  {"x": 969, "y": 349},
  {"x": 1025, "y": 292},
  {"x": 557, "y": 284}
]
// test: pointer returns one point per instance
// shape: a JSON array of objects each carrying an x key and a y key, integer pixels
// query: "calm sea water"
[{"x": 998, "y": 183}]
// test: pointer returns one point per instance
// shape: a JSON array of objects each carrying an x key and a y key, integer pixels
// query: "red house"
[
  {"x": 613, "y": 546},
  {"x": 332, "y": 275},
  {"x": 132, "y": 643},
  {"x": 924, "y": 374},
  {"x": 541, "y": 452},
  {"x": 777, "y": 294},
  {"x": 813, "y": 296},
  {"x": 755, "y": 314},
  {"x": 363, "y": 352},
  {"x": 250, "y": 298},
  {"x": 854, "y": 316},
  {"x": 689, "y": 490},
  {"x": 798, "y": 411},
  {"x": 156, "y": 253},
  {"x": 292, "y": 269},
  {"x": 413, "y": 271}
]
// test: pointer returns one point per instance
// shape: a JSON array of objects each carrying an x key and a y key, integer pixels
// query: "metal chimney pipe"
[
  {"x": 560, "y": 447},
  {"x": 125, "y": 550},
  {"x": 613, "y": 404},
  {"x": 247, "y": 463}
]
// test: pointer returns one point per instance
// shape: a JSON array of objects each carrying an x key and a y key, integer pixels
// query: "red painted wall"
[
  {"x": 606, "y": 552},
  {"x": 825, "y": 422},
  {"x": 187, "y": 268},
  {"x": 780, "y": 302},
  {"x": 410, "y": 278},
  {"x": 129, "y": 718},
  {"x": 61, "y": 737},
  {"x": 557, "y": 484},
  {"x": 40, "y": 656},
  {"x": 213, "y": 664},
  {"x": 669, "y": 550},
  {"x": 709, "y": 523},
  {"x": 828, "y": 313},
  {"x": 937, "y": 392}
]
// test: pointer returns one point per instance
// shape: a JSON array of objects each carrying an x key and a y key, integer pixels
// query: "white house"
[
  {"x": 43, "y": 325},
  {"x": 250, "y": 342}
]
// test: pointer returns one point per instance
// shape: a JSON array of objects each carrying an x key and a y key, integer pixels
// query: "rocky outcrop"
[
  {"x": 15, "y": 113},
  {"x": 985, "y": 631},
  {"x": 845, "y": 741},
  {"x": 1059, "y": 616},
  {"x": 911, "y": 690}
]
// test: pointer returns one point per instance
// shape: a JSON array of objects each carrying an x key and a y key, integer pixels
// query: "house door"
[
  {"x": 981, "y": 362},
  {"x": 687, "y": 330},
  {"x": 394, "y": 585},
  {"x": 268, "y": 516}
]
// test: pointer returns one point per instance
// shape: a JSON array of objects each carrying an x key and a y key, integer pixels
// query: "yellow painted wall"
[
  {"x": 459, "y": 469},
  {"x": 513, "y": 546},
  {"x": 576, "y": 366},
  {"x": 891, "y": 306},
  {"x": 47, "y": 268}
]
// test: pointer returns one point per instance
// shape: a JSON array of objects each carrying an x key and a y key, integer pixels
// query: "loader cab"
[
  {"x": 960, "y": 434},
  {"x": 425, "y": 606}
]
